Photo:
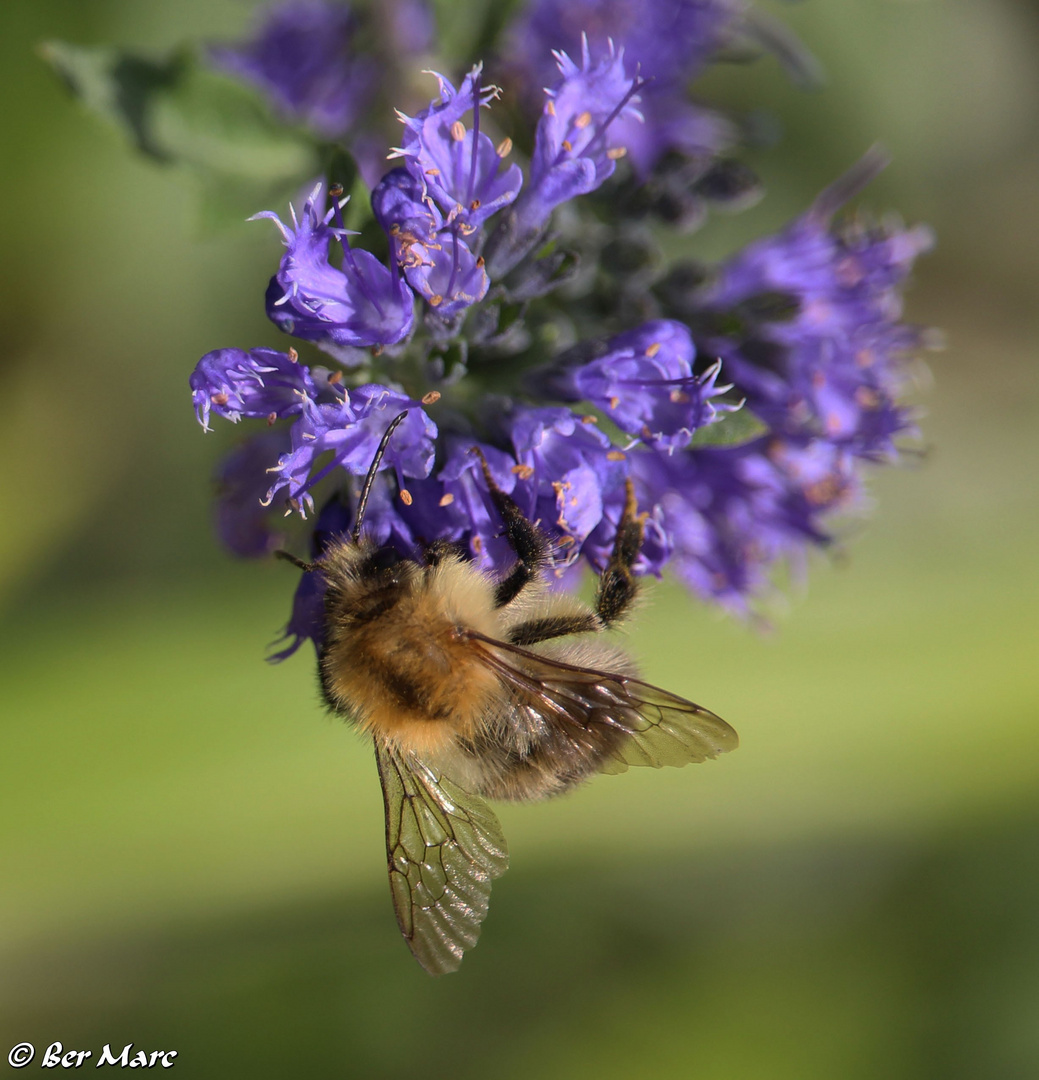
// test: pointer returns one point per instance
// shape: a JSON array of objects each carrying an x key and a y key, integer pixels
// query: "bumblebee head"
[{"x": 364, "y": 580}]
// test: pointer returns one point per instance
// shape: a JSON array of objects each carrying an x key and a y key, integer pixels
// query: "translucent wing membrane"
[
  {"x": 632, "y": 722},
  {"x": 444, "y": 847}
]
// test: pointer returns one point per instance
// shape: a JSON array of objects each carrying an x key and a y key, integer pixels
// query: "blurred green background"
[{"x": 190, "y": 850}]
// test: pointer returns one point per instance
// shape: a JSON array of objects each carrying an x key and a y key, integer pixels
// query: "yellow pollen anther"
[
  {"x": 583, "y": 120},
  {"x": 405, "y": 497},
  {"x": 615, "y": 153},
  {"x": 219, "y": 399},
  {"x": 614, "y": 402},
  {"x": 431, "y": 398},
  {"x": 335, "y": 377},
  {"x": 458, "y": 131},
  {"x": 436, "y": 300},
  {"x": 293, "y": 355},
  {"x": 550, "y": 108},
  {"x": 589, "y": 419},
  {"x": 504, "y": 148},
  {"x": 524, "y": 472},
  {"x": 567, "y": 145},
  {"x": 653, "y": 349},
  {"x": 271, "y": 417},
  {"x": 678, "y": 397},
  {"x": 616, "y": 455},
  {"x": 446, "y": 500}
]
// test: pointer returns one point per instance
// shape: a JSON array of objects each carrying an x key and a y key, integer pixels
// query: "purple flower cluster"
[
  {"x": 829, "y": 324},
  {"x": 741, "y": 404}
]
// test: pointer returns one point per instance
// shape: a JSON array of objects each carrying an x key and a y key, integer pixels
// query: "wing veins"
[
  {"x": 441, "y": 897},
  {"x": 663, "y": 728}
]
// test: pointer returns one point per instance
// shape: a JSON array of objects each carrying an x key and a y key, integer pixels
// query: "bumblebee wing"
[
  {"x": 669, "y": 731},
  {"x": 592, "y": 707},
  {"x": 443, "y": 848}
]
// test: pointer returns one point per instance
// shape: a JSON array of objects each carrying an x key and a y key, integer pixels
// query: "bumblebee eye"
[{"x": 384, "y": 559}]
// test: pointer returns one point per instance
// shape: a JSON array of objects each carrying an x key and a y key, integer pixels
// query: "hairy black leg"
[
  {"x": 617, "y": 586},
  {"x": 525, "y": 539},
  {"x": 552, "y": 626}
]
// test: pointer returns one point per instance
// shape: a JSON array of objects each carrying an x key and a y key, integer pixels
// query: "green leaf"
[
  {"x": 731, "y": 429},
  {"x": 116, "y": 86},
  {"x": 178, "y": 111}
]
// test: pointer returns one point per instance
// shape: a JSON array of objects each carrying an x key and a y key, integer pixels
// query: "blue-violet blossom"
[{"x": 739, "y": 402}]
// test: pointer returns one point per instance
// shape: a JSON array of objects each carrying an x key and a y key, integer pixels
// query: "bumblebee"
[{"x": 477, "y": 687}]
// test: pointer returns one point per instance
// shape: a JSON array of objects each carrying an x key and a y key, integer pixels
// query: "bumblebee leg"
[
  {"x": 525, "y": 539},
  {"x": 617, "y": 586},
  {"x": 553, "y": 626}
]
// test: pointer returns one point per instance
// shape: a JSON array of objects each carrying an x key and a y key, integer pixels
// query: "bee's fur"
[{"x": 400, "y": 658}]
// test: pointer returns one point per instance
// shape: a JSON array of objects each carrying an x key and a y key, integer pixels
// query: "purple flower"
[
  {"x": 259, "y": 383},
  {"x": 565, "y": 464},
  {"x": 730, "y": 513},
  {"x": 412, "y": 29},
  {"x": 243, "y": 522},
  {"x": 404, "y": 209},
  {"x": 669, "y": 41},
  {"x": 306, "y": 623},
  {"x": 303, "y": 57},
  {"x": 576, "y": 146},
  {"x": 362, "y": 304},
  {"x": 644, "y": 382},
  {"x": 822, "y": 352},
  {"x": 437, "y": 263},
  {"x": 351, "y": 430},
  {"x": 466, "y": 507},
  {"x": 459, "y": 167},
  {"x": 670, "y": 122},
  {"x": 446, "y": 274}
]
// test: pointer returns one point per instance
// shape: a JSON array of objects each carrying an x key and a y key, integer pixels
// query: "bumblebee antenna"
[{"x": 362, "y": 503}]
